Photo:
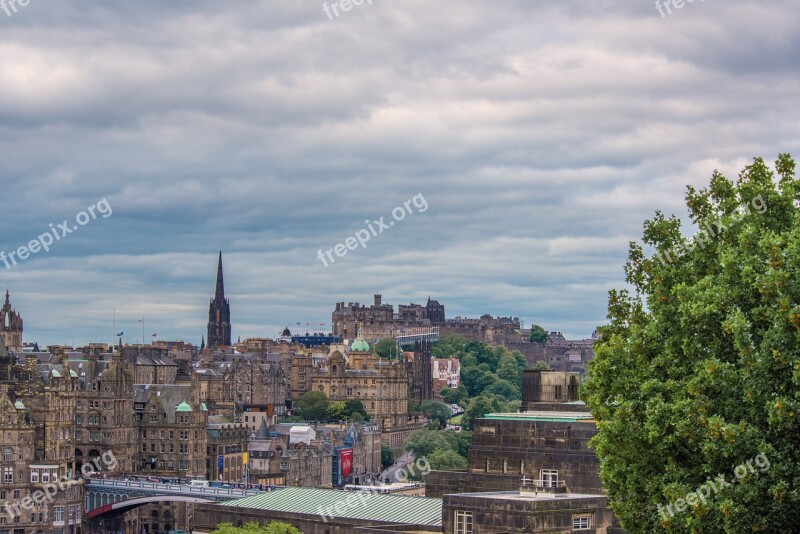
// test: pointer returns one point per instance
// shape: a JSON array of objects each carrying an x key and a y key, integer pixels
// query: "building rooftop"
[
  {"x": 378, "y": 507},
  {"x": 565, "y": 417},
  {"x": 530, "y": 496}
]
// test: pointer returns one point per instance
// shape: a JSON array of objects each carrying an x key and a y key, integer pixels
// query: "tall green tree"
[
  {"x": 538, "y": 334},
  {"x": 698, "y": 371},
  {"x": 312, "y": 406}
]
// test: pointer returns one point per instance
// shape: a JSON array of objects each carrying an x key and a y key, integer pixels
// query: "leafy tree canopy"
[
  {"x": 312, "y": 406},
  {"x": 437, "y": 411},
  {"x": 423, "y": 442},
  {"x": 698, "y": 371},
  {"x": 541, "y": 365},
  {"x": 386, "y": 348},
  {"x": 447, "y": 459},
  {"x": 538, "y": 334}
]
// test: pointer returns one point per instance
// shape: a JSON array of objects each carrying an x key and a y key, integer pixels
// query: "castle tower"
[
  {"x": 10, "y": 326},
  {"x": 219, "y": 313}
]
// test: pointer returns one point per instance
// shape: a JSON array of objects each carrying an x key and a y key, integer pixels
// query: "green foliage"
[
  {"x": 481, "y": 405},
  {"x": 275, "y": 527},
  {"x": 538, "y": 334},
  {"x": 482, "y": 367},
  {"x": 355, "y": 407},
  {"x": 448, "y": 346},
  {"x": 337, "y": 411},
  {"x": 505, "y": 389},
  {"x": 455, "y": 396},
  {"x": 387, "y": 348},
  {"x": 312, "y": 406},
  {"x": 541, "y": 365},
  {"x": 423, "y": 442},
  {"x": 387, "y": 456},
  {"x": 447, "y": 459},
  {"x": 437, "y": 411},
  {"x": 698, "y": 371}
]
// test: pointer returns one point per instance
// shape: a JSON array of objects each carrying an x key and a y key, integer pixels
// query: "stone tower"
[
  {"x": 10, "y": 326},
  {"x": 219, "y": 313}
]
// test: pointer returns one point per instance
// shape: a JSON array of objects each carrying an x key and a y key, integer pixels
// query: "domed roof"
[
  {"x": 183, "y": 407},
  {"x": 18, "y": 405},
  {"x": 360, "y": 345}
]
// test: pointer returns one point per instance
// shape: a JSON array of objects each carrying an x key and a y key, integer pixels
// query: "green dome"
[
  {"x": 183, "y": 407},
  {"x": 18, "y": 405},
  {"x": 360, "y": 345}
]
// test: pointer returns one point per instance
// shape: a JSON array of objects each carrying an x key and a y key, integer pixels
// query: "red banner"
[{"x": 346, "y": 461}]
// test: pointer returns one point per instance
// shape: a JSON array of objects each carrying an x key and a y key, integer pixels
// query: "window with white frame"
[
  {"x": 463, "y": 522},
  {"x": 582, "y": 522},
  {"x": 58, "y": 514},
  {"x": 8, "y": 475},
  {"x": 549, "y": 478}
]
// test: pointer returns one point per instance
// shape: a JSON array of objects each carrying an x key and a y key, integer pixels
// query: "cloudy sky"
[{"x": 540, "y": 135}]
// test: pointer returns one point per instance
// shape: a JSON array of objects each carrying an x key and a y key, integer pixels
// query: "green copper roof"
[
  {"x": 203, "y": 407},
  {"x": 73, "y": 374},
  {"x": 360, "y": 345},
  {"x": 386, "y": 508},
  {"x": 18, "y": 405},
  {"x": 183, "y": 407},
  {"x": 561, "y": 417},
  {"x": 56, "y": 374}
]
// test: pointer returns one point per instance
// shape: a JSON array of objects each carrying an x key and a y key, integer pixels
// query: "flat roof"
[
  {"x": 531, "y": 496},
  {"x": 566, "y": 417},
  {"x": 387, "y": 508}
]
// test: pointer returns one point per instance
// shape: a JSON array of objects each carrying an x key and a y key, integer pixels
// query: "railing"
[
  {"x": 530, "y": 484},
  {"x": 170, "y": 488}
]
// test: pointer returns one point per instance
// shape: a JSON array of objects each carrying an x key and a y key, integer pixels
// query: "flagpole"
[{"x": 114, "y": 332}]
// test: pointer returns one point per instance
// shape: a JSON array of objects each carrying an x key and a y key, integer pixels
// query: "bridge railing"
[{"x": 170, "y": 488}]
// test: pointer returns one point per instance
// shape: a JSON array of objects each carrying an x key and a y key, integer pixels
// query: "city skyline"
[{"x": 541, "y": 136}]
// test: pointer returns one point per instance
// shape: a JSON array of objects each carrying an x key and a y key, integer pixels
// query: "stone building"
[
  {"x": 10, "y": 326},
  {"x": 172, "y": 431},
  {"x": 530, "y": 509},
  {"x": 309, "y": 465},
  {"x": 549, "y": 442},
  {"x": 380, "y": 384},
  {"x": 227, "y": 449},
  {"x": 104, "y": 408},
  {"x": 37, "y": 447}
]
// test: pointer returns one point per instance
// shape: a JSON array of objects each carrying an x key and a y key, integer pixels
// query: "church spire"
[
  {"x": 220, "y": 292},
  {"x": 219, "y": 313}
]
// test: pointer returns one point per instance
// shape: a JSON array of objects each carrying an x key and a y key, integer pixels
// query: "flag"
[
  {"x": 154, "y": 334},
  {"x": 298, "y": 324},
  {"x": 120, "y": 334}
]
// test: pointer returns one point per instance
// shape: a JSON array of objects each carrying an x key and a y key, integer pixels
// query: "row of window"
[
  {"x": 183, "y": 448},
  {"x": 464, "y": 523}
]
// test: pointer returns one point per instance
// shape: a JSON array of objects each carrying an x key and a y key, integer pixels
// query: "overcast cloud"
[{"x": 542, "y": 134}]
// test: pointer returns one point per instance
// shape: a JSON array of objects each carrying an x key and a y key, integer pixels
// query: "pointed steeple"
[
  {"x": 7, "y": 301},
  {"x": 220, "y": 292},
  {"x": 219, "y": 313}
]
